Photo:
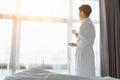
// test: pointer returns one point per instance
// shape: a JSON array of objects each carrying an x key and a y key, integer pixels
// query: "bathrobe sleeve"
[{"x": 83, "y": 36}]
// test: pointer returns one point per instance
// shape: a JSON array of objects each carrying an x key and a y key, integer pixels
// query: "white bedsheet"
[{"x": 38, "y": 74}]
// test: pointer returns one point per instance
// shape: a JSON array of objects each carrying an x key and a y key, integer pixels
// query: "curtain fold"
[
  {"x": 110, "y": 37},
  {"x": 103, "y": 40}
]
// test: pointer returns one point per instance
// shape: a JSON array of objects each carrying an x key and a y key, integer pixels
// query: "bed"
[{"x": 40, "y": 74}]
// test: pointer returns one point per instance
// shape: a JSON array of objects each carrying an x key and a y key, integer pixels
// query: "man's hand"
[
  {"x": 76, "y": 34},
  {"x": 73, "y": 44}
]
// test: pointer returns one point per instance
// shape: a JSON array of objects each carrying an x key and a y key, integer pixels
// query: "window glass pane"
[
  {"x": 5, "y": 46},
  {"x": 97, "y": 49},
  {"x": 45, "y": 8},
  {"x": 95, "y": 8},
  {"x": 43, "y": 43},
  {"x": 76, "y": 26},
  {"x": 8, "y": 6}
]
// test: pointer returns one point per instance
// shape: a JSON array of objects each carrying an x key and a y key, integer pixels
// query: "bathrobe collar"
[{"x": 85, "y": 19}]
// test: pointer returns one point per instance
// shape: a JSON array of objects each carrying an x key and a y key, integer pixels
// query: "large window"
[
  {"x": 38, "y": 37},
  {"x": 43, "y": 36},
  {"x": 43, "y": 43},
  {"x": 36, "y": 33}
]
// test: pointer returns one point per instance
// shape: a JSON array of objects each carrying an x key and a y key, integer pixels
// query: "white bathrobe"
[{"x": 85, "y": 64}]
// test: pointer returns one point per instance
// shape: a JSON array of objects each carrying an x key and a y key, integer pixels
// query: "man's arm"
[{"x": 73, "y": 44}]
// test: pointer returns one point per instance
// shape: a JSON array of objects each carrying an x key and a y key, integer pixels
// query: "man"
[{"x": 85, "y": 64}]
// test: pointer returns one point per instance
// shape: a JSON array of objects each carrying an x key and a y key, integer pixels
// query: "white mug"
[{"x": 74, "y": 31}]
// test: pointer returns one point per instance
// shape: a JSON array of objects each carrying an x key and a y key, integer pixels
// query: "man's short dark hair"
[{"x": 86, "y": 9}]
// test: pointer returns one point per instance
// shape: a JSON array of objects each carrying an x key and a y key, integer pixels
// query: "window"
[
  {"x": 5, "y": 45},
  {"x": 45, "y": 8},
  {"x": 37, "y": 25},
  {"x": 8, "y": 6},
  {"x": 43, "y": 43},
  {"x": 97, "y": 48},
  {"x": 40, "y": 32}
]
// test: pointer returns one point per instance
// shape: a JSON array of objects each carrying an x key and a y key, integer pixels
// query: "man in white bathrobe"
[{"x": 85, "y": 63}]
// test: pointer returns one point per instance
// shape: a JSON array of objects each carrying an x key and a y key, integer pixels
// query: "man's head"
[{"x": 84, "y": 11}]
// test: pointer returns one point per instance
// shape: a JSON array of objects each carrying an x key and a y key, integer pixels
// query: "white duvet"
[{"x": 38, "y": 74}]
